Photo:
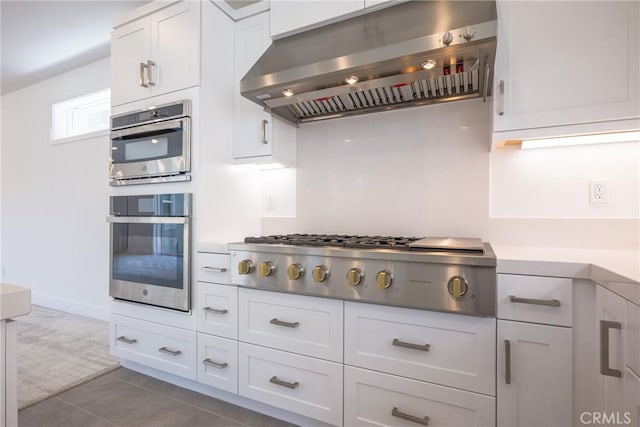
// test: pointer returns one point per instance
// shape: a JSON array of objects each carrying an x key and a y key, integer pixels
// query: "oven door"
[
  {"x": 156, "y": 149},
  {"x": 150, "y": 261}
]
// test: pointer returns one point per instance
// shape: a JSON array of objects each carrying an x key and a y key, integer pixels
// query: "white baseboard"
[{"x": 100, "y": 312}]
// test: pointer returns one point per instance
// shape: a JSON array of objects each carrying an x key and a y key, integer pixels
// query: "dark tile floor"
[{"x": 127, "y": 398}]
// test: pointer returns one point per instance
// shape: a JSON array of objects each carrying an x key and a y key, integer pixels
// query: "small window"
[{"x": 80, "y": 116}]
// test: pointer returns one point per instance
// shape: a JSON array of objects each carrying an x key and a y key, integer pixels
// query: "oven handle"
[
  {"x": 152, "y": 127},
  {"x": 148, "y": 220}
]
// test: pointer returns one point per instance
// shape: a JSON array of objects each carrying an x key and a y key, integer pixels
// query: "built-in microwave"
[
  {"x": 151, "y": 145},
  {"x": 149, "y": 250}
]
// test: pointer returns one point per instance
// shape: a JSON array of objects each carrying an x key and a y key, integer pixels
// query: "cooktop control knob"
[
  {"x": 245, "y": 266},
  {"x": 295, "y": 271},
  {"x": 266, "y": 268},
  {"x": 320, "y": 273},
  {"x": 354, "y": 276},
  {"x": 384, "y": 279},
  {"x": 458, "y": 286},
  {"x": 447, "y": 38},
  {"x": 468, "y": 32}
]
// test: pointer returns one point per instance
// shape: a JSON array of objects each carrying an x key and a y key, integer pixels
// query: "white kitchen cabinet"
[
  {"x": 378, "y": 399},
  {"x": 258, "y": 137},
  {"x": 218, "y": 362},
  {"x": 217, "y": 309},
  {"x": 156, "y": 54},
  {"x": 289, "y": 17},
  {"x": 611, "y": 318},
  {"x": 534, "y": 384},
  {"x": 213, "y": 268},
  {"x": 578, "y": 74},
  {"x": 631, "y": 398},
  {"x": 301, "y": 384}
]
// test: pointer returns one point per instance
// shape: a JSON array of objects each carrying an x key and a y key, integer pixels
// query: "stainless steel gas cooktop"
[{"x": 444, "y": 274}]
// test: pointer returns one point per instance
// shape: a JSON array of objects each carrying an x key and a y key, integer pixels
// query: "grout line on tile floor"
[{"x": 85, "y": 411}]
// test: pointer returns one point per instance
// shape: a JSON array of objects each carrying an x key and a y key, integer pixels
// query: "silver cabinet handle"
[
  {"x": 210, "y": 362},
  {"x": 127, "y": 340},
  {"x": 422, "y": 347},
  {"x": 150, "y": 65},
  {"x": 396, "y": 413},
  {"x": 487, "y": 71},
  {"x": 216, "y": 310},
  {"x": 501, "y": 98},
  {"x": 215, "y": 269},
  {"x": 142, "y": 82},
  {"x": 547, "y": 302},
  {"x": 265, "y": 122},
  {"x": 605, "y": 326},
  {"x": 507, "y": 362},
  {"x": 275, "y": 380},
  {"x": 167, "y": 351},
  {"x": 282, "y": 323}
]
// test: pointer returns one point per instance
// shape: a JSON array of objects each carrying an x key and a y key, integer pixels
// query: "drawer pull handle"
[
  {"x": 126, "y": 340},
  {"x": 275, "y": 380},
  {"x": 216, "y": 310},
  {"x": 422, "y": 347},
  {"x": 547, "y": 302},
  {"x": 275, "y": 321},
  {"x": 210, "y": 362},
  {"x": 215, "y": 269},
  {"x": 605, "y": 326},
  {"x": 396, "y": 413},
  {"x": 507, "y": 362},
  {"x": 167, "y": 351}
]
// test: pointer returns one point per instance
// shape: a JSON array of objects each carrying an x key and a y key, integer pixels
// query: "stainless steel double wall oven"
[{"x": 150, "y": 249}]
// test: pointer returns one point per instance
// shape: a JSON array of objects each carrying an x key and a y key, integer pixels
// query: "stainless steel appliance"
[
  {"x": 410, "y": 54},
  {"x": 151, "y": 145},
  {"x": 150, "y": 247},
  {"x": 454, "y": 275}
]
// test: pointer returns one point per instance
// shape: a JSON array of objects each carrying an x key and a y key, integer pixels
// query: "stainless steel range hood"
[{"x": 387, "y": 51}]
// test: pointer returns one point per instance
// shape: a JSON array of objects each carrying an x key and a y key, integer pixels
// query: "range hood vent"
[{"x": 386, "y": 50}]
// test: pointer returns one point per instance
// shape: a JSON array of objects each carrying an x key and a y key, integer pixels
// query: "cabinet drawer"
[
  {"x": 213, "y": 268},
  {"x": 633, "y": 337},
  {"x": 218, "y": 362},
  {"x": 377, "y": 399},
  {"x": 300, "y": 384},
  {"x": 535, "y": 299},
  {"x": 217, "y": 309},
  {"x": 161, "y": 347},
  {"x": 296, "y": 323},
  {"x": 447, "y": 349}
]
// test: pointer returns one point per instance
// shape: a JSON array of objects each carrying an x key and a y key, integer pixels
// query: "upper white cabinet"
[
  {"x": 577, "y": 74},
  {"x": 289, "y": 17},
  {"x": 258, "y": 137},
  {"x": 156, "y": 54}
]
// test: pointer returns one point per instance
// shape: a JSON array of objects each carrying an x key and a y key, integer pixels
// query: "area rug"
[{"x": 57, "y": 351}]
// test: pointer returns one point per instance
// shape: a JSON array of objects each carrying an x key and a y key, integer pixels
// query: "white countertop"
[
  {"x": 616, "y": 270},
  {"x": 212, "y": 247},
  {"x": 14, "y": 301}
]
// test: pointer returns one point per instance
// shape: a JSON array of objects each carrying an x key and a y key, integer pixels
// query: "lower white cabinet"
[
  {"x": 448, "y": 349},
  {"x": 218, "y": 362},
  {"x": 534, "y": 386},
  {"x": 300, "y": 384},
  {"x": 217, "y": 309},
  {"x": 162, "y": 347},
  {"x": 377, "y": 399}
]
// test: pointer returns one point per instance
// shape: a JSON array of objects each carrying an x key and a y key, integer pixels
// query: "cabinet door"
[
  {"x": 175, "y": 48},
  {"x": 611, "y": 308},
  {"x": 579, "y": 69},
  {"x": 252, "y": 136},
  {"x": 129, "y": 52},
  {"x": 288, "y": 17},
  {"x": 631, "y": 398},
  {"x": 534, "y": 375}
]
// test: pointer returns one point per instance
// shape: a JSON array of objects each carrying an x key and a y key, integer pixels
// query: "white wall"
[
  {"x": 55, "y": 199},
  {"x": 428, "y": 171}
]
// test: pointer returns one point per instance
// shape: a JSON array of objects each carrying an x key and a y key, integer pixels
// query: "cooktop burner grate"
[{"x": 337, "y": 240}]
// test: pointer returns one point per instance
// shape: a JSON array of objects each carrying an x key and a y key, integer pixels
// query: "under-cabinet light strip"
[{"x": 600, "y": 138}]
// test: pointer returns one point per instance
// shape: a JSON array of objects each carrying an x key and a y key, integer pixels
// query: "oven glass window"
[
  {"x": 149, "y": 253},
  {"x": 151, "y": 146}
]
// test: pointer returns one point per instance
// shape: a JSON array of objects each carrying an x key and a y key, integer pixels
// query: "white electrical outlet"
[
  {"x": 269, "y": 202},
  {"x": 598, "y": 191}
]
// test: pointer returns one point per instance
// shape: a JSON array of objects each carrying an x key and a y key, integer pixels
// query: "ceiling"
[{"x": 40, "y": 39}]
